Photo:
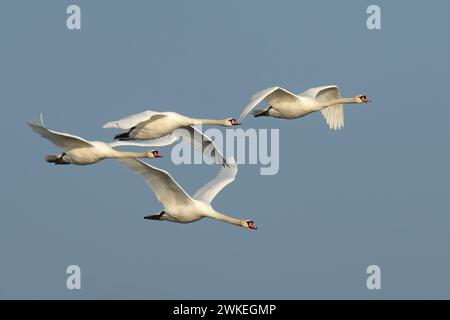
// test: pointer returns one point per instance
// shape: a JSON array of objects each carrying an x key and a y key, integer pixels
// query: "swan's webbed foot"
[
  {"x": 61, "y": 160},
  {"x": 124, "y": 135},
  {"x": 56, "y": 159},
  {"x": 262, "y": 113},
  {"x": 154, "y": 216}
]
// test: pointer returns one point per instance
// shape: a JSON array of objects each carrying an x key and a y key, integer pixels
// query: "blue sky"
[{"x": 375, "y": 192}]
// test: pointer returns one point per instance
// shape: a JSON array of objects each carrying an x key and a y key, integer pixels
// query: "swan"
[
  {"x": 178, "y": 205},
  {"x": 286, "y": 105},
  {"x": 150, "y": 125},
  {"x": 170, "y": 127},
  {"x": 82, "y": 152}
]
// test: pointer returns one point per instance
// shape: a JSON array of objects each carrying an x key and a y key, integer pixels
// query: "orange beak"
[{"x": 252, "y": 225}]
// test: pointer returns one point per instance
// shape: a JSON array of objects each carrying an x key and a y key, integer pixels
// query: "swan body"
[
  {"x": 191, "y": 212},
  {"x": 286, "y": 105},
  {"x": 170, "y": 127},
  {"x": 79, "y": 151},
  {"x": 178, "y": 205}
]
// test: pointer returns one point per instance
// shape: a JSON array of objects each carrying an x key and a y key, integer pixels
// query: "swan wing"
[
  {"x": 160, "y": 142},
  {"x": 60, "y": 139},
  {"x": 334, "y": 115},
  {"x": 226, "y": 175},
  {"x": 272, "y": 95},
  {"x": 200, "y": 142},
  {"x": 131, "y": 121},
  {"x": 145, "y": 123},
  {"x": 166, "y": 189},
  {"x": 332, "y": 92}
]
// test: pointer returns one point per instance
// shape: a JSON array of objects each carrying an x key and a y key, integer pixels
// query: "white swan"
[
  {"x": 170, "y": 126},
  {"x": 82, "y": 152},
  {"x": 149, "y": 125},
  {"x": 286, "y": 105},
  {"x": 178, "y": 205}
]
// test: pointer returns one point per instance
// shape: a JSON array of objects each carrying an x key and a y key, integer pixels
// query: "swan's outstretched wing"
[
  {"x": 333, "y": 115},
  {"x": 272, "y": 95},
  {"x": 225, "y": 176},
  {"x": 160, "y": 142},
  {"x": 166, "y": 189},
  {"x": 200, "y": 142},
  {"x": 315, "y": 92},
  {"x": 131, "y": 121},
  {"x": 60, "y": 139}
]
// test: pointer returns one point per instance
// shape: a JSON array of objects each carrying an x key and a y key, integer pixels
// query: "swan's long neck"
[
  {"x": 223, "y": 217},
  {"x": 333, "y": 102},
  {"x": 124, "y": 154},
  {"x": 208, "y": 122}
]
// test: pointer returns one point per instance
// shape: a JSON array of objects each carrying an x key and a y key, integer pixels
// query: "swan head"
[
  {"x": 154, "y": 154},
  {"x": 250, "y": 224},
  {"x": 361, "y": 99},
  {"x": 231, "y": 122}
]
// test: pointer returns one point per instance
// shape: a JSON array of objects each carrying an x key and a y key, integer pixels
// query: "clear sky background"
[{"x": 376, "y": 192}]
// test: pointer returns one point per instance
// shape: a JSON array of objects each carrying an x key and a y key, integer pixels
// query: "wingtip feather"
[{"x": 111, "y": 124}]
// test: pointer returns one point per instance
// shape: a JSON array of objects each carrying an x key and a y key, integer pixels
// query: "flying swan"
[
  {"x": 178, "y": 205},
  {"x": 170, "y": 127},
  {"x": 82, "y": 152},
  {"x": 286, "y": 105}
]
